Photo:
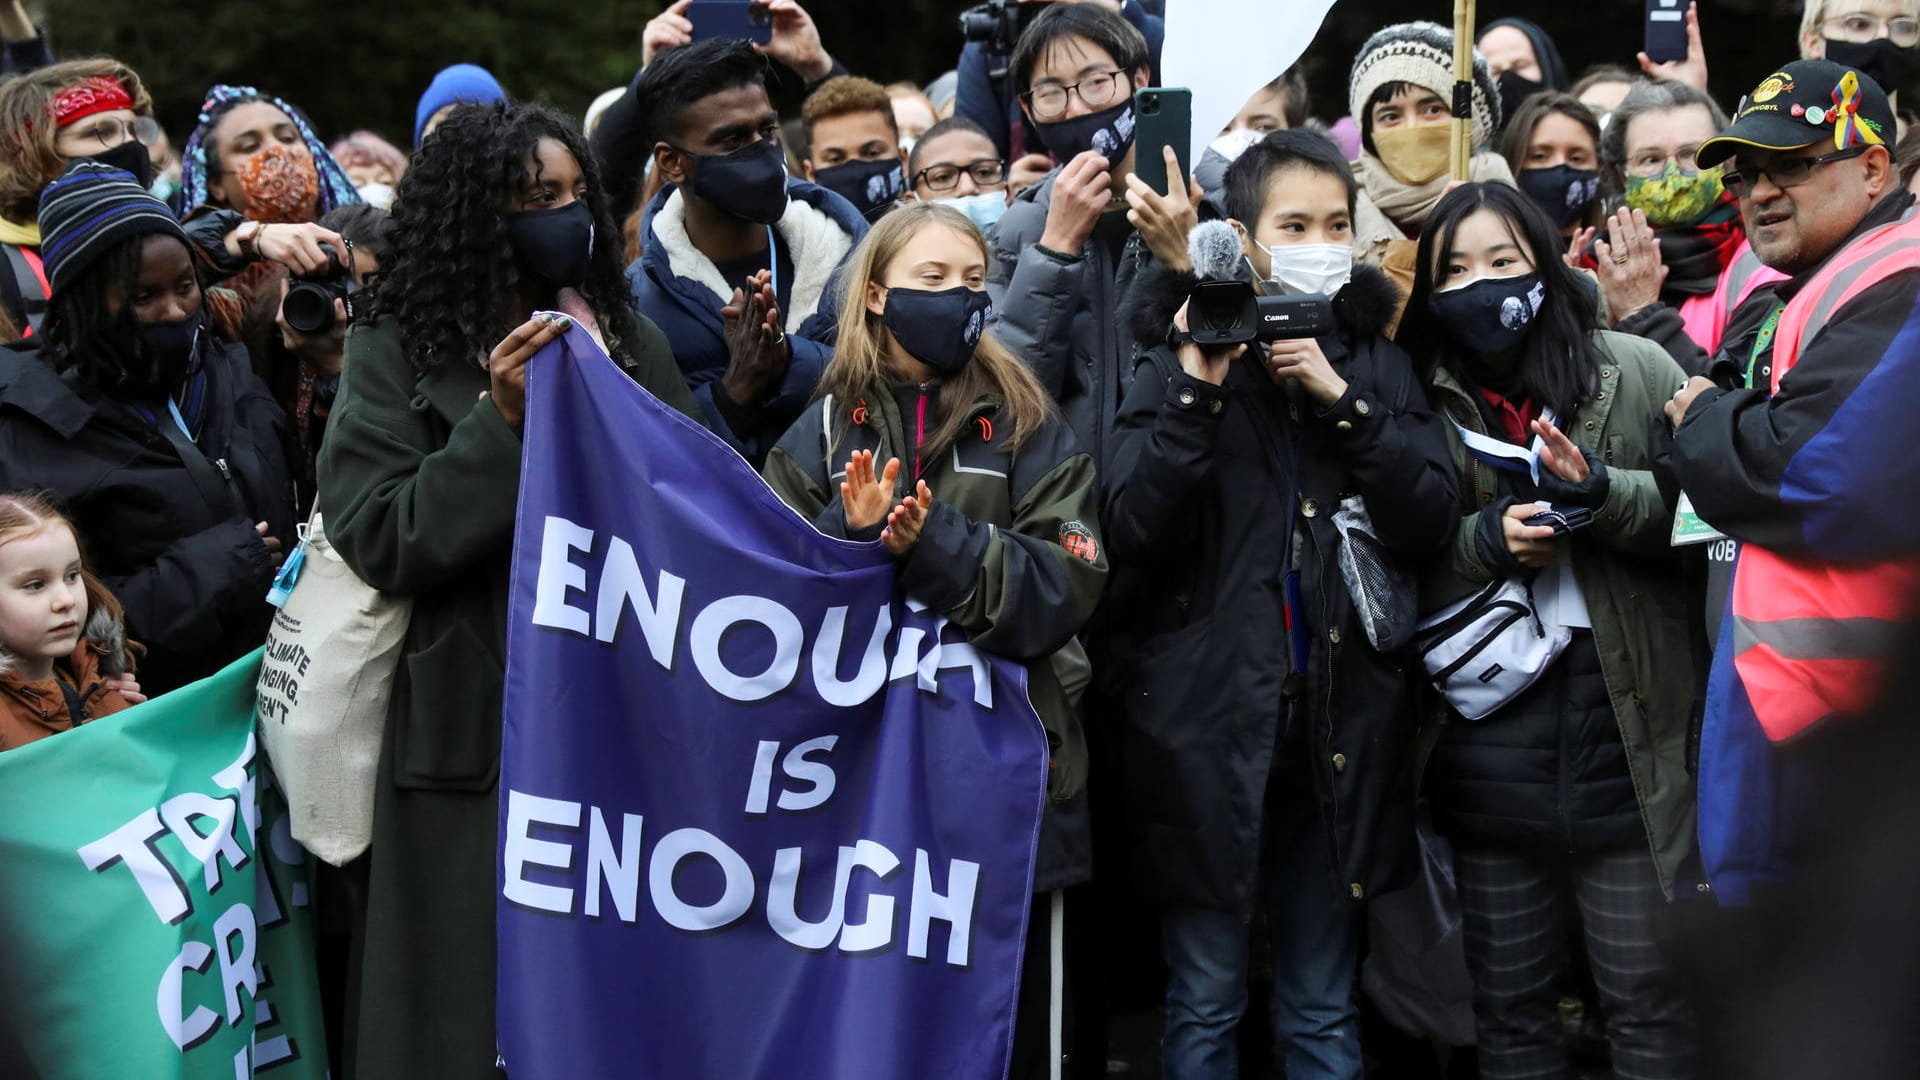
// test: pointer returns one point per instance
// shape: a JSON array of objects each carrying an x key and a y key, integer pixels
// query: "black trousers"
[{"x": 1042, "y": 1029}]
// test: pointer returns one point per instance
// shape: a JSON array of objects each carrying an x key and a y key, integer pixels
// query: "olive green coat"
[{"x": 1627, "y": 572}]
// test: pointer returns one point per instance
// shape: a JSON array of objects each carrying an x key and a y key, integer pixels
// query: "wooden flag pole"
[{"x": 1461, "y": 157}]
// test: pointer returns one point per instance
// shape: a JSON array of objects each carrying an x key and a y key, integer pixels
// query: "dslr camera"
[
  {"x": 308, "y": 307},
  {"x": 997, "y": 24},
  {"x": 1231, "y": 313}
]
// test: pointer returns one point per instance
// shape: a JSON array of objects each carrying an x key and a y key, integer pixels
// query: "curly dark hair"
[
  {"x": 452, "y": 280},
  {"x": 84, "y": 335}
]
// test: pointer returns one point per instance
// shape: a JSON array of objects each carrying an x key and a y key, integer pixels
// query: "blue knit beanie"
[{"x": 461, "y": 84}]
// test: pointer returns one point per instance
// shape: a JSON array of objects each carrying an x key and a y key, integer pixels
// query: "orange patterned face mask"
[{"x": 282, "y": 187}]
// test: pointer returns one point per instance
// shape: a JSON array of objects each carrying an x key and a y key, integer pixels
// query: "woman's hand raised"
[
  {"x": 906, "y": 521},
  {"x": 864, "y": 497},
  {"x": 507, "y": 366}
]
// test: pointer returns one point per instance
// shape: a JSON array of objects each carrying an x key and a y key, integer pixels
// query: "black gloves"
[
  {"x": 1490, "y": 540},
  {"x": 1589, "y": 493}
]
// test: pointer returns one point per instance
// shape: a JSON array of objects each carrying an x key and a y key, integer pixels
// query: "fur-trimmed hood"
[
  {"x": 819, "y": 228},
  {"x": 1364, "y": 307}
]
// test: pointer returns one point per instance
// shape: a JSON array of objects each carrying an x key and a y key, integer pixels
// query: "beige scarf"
[{"x": 1387, "y": 206}]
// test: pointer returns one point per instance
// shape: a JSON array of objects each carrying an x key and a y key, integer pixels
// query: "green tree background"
[{"x": 363, "y": 63}]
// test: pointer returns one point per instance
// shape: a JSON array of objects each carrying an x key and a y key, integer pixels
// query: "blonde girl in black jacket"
[{"x": 929, "y": 436}]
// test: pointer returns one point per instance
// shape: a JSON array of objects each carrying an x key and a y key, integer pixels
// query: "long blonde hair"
[
  {"x": 860, "y": 360},
  {"x": 28, "y": 160}
]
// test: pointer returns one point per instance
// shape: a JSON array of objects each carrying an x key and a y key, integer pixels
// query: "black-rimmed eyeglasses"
[
  {"x": 1784, "y": 172},
  {"x": 986, "y": 172}
]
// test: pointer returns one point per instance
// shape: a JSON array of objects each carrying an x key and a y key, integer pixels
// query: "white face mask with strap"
[{"x": 1310, "y": 268}]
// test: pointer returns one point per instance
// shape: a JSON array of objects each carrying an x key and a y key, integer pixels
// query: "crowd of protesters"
[{"x": 1644, "y": 312}]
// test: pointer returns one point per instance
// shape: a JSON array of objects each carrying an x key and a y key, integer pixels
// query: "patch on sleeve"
[{"x": 1078, "y": 541}]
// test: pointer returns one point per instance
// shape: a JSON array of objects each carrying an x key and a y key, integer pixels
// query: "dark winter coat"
[
  {"x": 1521, "y": 778},
  {"x": 1012, "y": 553},
  {"x": 682, "y": 291},
  {"x": 419, "y": 481},
  {"x": 1816, "y": 471},
  {"x": 181, "y": 554},
  {"x": 1067, "y": 319},
  {"x": 1202, "y": 528}
]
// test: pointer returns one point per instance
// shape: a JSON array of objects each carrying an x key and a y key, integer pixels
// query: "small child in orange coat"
[{"x": 63, "y": 643}]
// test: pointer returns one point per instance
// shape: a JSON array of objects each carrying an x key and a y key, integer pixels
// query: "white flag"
[{"x": 1226, "y": 50}]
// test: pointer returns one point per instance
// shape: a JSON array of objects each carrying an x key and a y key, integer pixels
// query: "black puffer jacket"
[
  {"x": 181, "y": 555},
  {"x": 1065, "y": 318},
  {"x": 1197, "y": 516},
  {"x": 1547, "y": 772}
]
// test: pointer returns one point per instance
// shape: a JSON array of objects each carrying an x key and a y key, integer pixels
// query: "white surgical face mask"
[
  {"x": 380, "y": 195},
  {"x": 1310, "y": 268},
  {"x": 1232, "y": 144},
  {"x": 984, "y": 209}
]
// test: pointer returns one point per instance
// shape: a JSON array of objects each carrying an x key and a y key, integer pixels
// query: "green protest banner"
[{"x": 139, "y": 936}]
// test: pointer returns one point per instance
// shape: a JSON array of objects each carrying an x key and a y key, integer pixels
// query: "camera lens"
[{"x": 308, "y": 308}]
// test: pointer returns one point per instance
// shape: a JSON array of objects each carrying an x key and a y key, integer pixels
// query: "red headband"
[{"x": 87, "y": 98}]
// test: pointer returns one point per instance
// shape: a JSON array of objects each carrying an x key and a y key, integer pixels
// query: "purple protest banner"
[{"x": 759, "y": 817}]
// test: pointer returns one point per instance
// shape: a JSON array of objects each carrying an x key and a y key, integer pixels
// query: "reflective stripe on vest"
[
  {"x": 1744, "y": 274},
  {"x": 1706, "y": 316},
  {"x": 1811, "y": 638}
]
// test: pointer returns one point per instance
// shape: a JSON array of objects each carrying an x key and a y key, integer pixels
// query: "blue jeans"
[{"x": 1315, "y": 933}]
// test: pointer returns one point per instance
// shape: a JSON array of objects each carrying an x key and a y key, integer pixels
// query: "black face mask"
[
  {"x": 1563, "y": 191},
  {"x": 553, "y": 246},
  {"x": 749, "y": 184},
  {"x": 1880, "y": 60},
  {"x": 939, "y": 329},
  {"x": 1492, "y": 316},
  {"x": 1108, "y": 133},
  {"x": 166, "y": 354},
  {"x": 130, "y": 156},
  {"x": 871, "y": 186},
  {"x": 1514, "y": 89}
]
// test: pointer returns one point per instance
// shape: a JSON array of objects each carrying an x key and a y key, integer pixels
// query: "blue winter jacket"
[{"x": 681, "y": 291}]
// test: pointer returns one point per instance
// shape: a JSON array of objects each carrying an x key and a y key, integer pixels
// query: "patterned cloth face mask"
[
  {"x": 282, "y": 187},
  {"x": 1674, "y": 198}
]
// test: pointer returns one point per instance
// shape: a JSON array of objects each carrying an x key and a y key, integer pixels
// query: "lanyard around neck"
[{"x": 181, "y": 421}]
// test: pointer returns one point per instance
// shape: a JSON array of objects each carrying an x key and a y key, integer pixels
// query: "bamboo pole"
[{"x": 1461, "y": 156}]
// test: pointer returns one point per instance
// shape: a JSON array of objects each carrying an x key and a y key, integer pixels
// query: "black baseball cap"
[{"x": 1806, "y": 102}]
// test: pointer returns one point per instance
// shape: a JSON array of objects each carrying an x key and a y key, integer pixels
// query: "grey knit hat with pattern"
[{"x": 1420, "y": 53}]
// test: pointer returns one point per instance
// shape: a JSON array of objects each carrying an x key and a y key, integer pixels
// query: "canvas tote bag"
[{"x": 321, "y": 702}]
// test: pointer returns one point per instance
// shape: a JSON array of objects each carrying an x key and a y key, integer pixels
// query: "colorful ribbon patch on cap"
[{"x": 1849, "y": 129}]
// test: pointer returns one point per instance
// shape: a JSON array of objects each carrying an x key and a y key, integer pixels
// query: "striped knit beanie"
[
  {"x": 90, "y": 210},
  {"x": 1420, "y": 53}
]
